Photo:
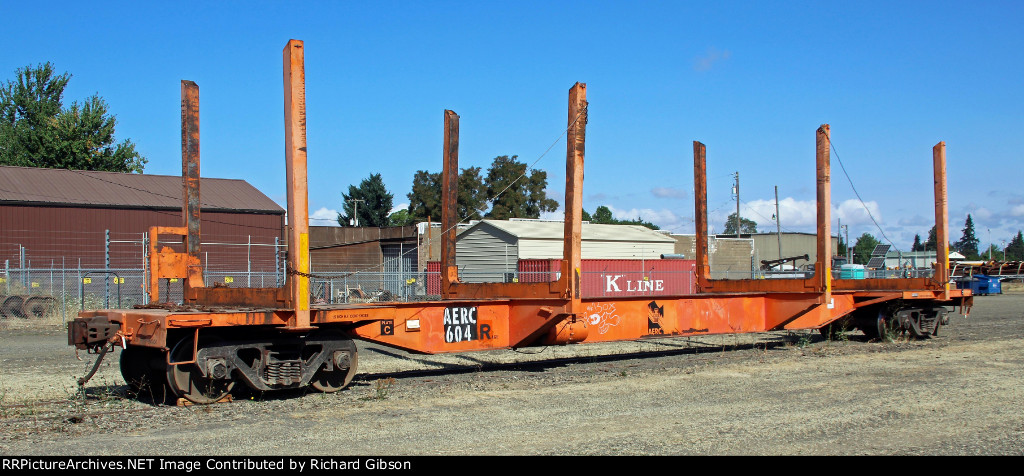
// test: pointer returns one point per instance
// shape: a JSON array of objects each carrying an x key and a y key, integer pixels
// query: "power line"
[{"x": 857, "y": 194}]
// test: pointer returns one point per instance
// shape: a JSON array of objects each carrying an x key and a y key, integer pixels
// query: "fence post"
[
  {"x": 106, "y": 266},
  {"x": 21, "y": 265},
  {"x": 81, "y": 285},
  {"x": 145, "y": 266},
  {"x": 277, "y": 262},
  {"x": 248, "y": 262},
  {"x": 63, "y": 291}
]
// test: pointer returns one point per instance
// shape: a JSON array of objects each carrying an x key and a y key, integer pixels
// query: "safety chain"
[{"x": 295, "y": 272}]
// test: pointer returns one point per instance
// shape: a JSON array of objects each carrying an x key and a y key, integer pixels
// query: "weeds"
[{"x": 381, "y": 389}]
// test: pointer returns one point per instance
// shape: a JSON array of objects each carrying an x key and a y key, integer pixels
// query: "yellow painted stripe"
[{"x": 303, "y": 298}]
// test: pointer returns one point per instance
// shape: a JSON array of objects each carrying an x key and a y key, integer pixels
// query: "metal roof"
[
  {"x": 81, "y": 188},
  {"x": 555, "y": 230}
]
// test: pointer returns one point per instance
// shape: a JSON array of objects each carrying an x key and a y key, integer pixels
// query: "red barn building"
[{"x": 61, "y": 218}]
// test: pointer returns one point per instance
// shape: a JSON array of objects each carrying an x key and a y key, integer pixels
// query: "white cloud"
[
  {"x": 852, "y": 212},
  {"x": 794, "y": 215},
  {"x": 400, "y": 206},
  {"x": 1017, "y": 211},
  {"x": 324, "y": 217},
  {"x": 668, "y": 192}
]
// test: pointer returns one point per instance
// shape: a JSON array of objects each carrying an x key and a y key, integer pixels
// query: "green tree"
[
  {"x": 515, "y": 194},
  {"x": 932, "y": 242},
  {"x": 401, "y": 218},
  {"x": 371, "y": 201},
  {"x": 746, "y": 226},
  {"x": 37, "y": 131},
  {"x": 1015, "y": 248},
  {"x": 841, "y": 247},
  {"x": 968, "y": 244},
  {"x": 425, "y": 197},
  {"x": 917, "y": 246},
  {"x": 603, "y": 216},
  {"x": 586, "y": 216},
  {"x": 863, "y": 247}
]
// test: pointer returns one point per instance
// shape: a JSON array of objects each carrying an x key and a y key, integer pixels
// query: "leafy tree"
[
  {"x": 993, "y": 253},
  {"x": 746, "y": 226},
  {"x": 917, "y": 246},
  {"x": 968, "y": 244},
  {"x": 1015, "y": 248},
  {"x": 401, "y": 218},
  {"x": 841, "y": 247},
  {"x": 425, "y": 198},
  {"x": 371, "y": 201},
  {"x": 37, "y": 131},
  {"x": 863, "y": 247},
  {"x": 586, "y": 216},
  {"x": 603, "y": 216},
  {"x": 513, "y": 193},
  {"x": 472, "y": 194}
]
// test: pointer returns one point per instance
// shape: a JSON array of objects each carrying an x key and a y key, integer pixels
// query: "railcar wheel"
[
  {"x": 136, "y": 367},
  {"x": 884, "y": 326},
  {"x": 188, "y": 382},
  {"x": 330, "y": 381}
]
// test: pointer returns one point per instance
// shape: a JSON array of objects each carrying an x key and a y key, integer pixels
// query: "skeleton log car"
[{"x": 273, "y": 338}]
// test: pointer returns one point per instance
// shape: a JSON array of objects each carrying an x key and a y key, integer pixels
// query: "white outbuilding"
[{"x": 490, "y": 249}]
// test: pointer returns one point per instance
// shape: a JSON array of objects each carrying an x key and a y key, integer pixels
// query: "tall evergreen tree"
[
  {"x": 968, "y": 244},
  {"x": 1015, "y": 248},
  {"x": 932, "y": 242},
  {"x": 36, "y": 130},
  {"x": 371, "y": 201},
  {"x": 917, "y": 246}
]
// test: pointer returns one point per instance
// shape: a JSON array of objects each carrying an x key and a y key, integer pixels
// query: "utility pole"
[
  {"x": 778, "y": 226},
  {"x": 736, "y": 190},
  {"x": 849, "y": 249},
  {"x": 355, "y": 210}
]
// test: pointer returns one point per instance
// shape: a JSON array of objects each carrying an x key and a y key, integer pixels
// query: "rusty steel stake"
[
  {"x": 941, "y": 218},
  {"x": 298, "y": 199},
  {"x": 823, "y": 266},
  {"x": 449, "y": 209}
]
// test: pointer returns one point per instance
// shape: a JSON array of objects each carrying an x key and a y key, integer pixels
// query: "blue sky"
[{"x": 752, "y": 80}]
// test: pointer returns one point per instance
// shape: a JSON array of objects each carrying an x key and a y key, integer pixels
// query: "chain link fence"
[{"x": 41, "y": 284}]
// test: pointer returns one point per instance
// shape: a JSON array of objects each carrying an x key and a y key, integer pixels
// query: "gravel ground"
[{"x": 773, "y": 393}]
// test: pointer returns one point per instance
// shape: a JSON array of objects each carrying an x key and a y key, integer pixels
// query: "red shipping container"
[
  {"x": 538, "y": 270},
  {"x": 623, "y": 278},
  {"x": 603, "y": 277},
  {"x": 434, "y": 277}
]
